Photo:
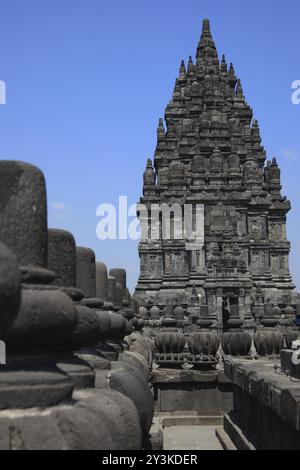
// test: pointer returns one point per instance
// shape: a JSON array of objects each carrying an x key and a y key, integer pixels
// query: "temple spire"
[
  {"x": 206, "y": 47},
  {"x": 206, "y": 26}
]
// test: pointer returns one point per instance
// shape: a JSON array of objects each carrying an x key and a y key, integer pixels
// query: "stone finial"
[
  {"x": 160, "y": 128},
  {"x": 231, "y": 75},
  {"x": 23, "y": 212},
  {"x": 190, "y": 64},
  {"x": 62, "y": 257},
  {"x": 255, "y": 131},
  {"x": 206, "y": 48},
  {"x": 182, "y": 69},
  {"x": 223, "y": 64},
  {"x": 101, "y": 281},
  {"x": 206, "y": 26},
  {"x": 149, "y": 178},
  {"x": 86, "y": 271},
  {"x": 239, "y": 89}
]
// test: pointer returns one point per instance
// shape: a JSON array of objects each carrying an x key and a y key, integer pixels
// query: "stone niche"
[
  {"x": 152, "y": 265},
  {"x": 220, "y": 219},
  {"x": 176, "y": 263}
]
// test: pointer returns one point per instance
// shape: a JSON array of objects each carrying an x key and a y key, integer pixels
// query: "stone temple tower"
[{"x": 209, "y": 154}]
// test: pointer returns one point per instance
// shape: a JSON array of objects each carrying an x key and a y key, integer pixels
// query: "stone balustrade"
[{"x": 71, "y": 379}]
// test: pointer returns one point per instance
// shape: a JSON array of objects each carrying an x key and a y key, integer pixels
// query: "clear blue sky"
[{"x": 87, "y": 81}]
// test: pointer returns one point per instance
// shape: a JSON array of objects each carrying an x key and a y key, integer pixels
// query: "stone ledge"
[
  {"x": 225, "y": 440},
  {"x": 183, "y": 376},
  {"x": 232, "y": 435},
  {"x": 275, "y": 391}
]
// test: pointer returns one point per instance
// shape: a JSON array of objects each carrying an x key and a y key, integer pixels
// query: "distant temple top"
[{"x": 209, "y": 153}]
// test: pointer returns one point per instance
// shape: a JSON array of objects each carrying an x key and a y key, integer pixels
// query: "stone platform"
[
  {"x": 202, "y": 392},
  {"x": 191, "y": 438},
  {"x": 266, "y": 406}
]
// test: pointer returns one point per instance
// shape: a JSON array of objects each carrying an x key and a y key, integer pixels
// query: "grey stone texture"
[
  {"x": 51, "y": 397},
  {"x": 101, "y": 281},
  {"x": 23, "y": 212},
  {"x": 86, "y": 271},
  {"x": 266, "y": 407},
  {"x": 62, "y": 257},
  {"x": 209, "y": 152},
  {"x": 203, "y": 392},
  {"x": 10, "y": 287}
]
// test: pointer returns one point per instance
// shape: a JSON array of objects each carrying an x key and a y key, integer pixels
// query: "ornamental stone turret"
[{"x": 209, "y": 153}]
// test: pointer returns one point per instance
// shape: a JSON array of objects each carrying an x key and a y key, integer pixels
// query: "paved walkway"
[{"x": 191, "y": 438}]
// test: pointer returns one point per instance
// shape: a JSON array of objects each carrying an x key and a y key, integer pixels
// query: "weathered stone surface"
[
  {"x": 135, "y": 361},
  {"x": 31, "y": 383},
  {"x": 87, "y": 331},
  {"x": 39, "y": 408},
  {"x": 142, "y": 345},
  {"x": 101, "y": 281},
  {"x": 119, "y": 294},
  {"x": 86, "y": 271},
  {"x": 289, "y": 366},
  {"x": 202, "y": 392},
  {"x": 62, "y": 257},
  {"x": 266, "y": 404},
  {"x": 95, "y": 421},
  {"x": 236, "y": 343},
  {"x": 112, "y": 290},
  {"x": 120, "y": 276},
  {"x": 79, "y": 371},
  {"x": 117, "y": 325},
  {"x": 268, "y": 342},
  {"x": 209, "y": 153},
  {"x": 23, "y": 202},
  {"x": 46, "y": 321},
  {"x": 132, "y": 385},
  {"x": 10, "y": 287},
  {"x": 203, "y": 344}
]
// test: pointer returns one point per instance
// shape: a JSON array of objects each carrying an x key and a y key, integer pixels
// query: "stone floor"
[{"x": 191, "y": 438}]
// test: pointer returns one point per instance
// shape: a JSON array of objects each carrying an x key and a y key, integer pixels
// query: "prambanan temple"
[
  {"x": 211, "y": 335},
  {"x": 209, "y": 152}
]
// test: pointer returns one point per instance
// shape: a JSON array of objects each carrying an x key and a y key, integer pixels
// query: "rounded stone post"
[
  {"x": 10, "y": 288},
  {"x": 86, "y": 271},
  {"x": 120, "y": 276},
  {"x": 112, "y": 290},
  {"x": 101, "y": 281},
  {"x": 119, "y": 291},
  {"x": 23, "y": 212},
  {"x": 62, "y": 257}
]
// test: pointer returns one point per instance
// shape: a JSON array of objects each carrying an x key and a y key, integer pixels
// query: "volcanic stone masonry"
[
  {"x": 68, "y": 382},
  {"x": 210, "y": 332},
  {"x": 209, "y": 152}
]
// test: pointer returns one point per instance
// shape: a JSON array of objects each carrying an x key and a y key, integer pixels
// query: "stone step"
[
  {"x": 225, "y": 440},
  {"x": 188, "y": 420}
]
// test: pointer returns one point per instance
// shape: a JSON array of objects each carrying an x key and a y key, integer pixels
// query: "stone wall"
[{"x": 266, "y": 406}]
